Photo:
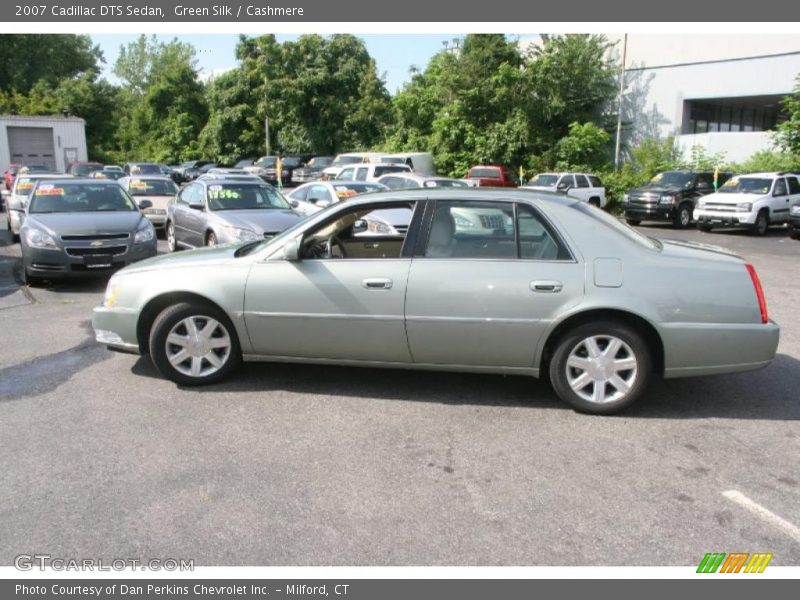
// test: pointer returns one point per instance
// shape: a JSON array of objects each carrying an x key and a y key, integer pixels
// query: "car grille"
[
  {"x": 268, "y": 235},
  {"x": 492, "y": 222},
  {"x": 401, "y": 229},
  {"x": 88, "y": 237},
  {"x": 113, "y": 250},
  {"x": 645, "y": 199},
  {"x": 719, "y": 207}
]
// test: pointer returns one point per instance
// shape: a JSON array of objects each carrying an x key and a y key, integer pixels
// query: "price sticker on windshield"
[
  {"x": 25, "y": 184},
  {"x": 49, "y": 190},
  {"x": 343, "y": 192},
  {"x": 138, "y": 185},
  {"x": 217, "y": 192}
]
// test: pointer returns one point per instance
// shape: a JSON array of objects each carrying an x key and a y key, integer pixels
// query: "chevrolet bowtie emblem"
[{"x": 96, "y": 243}]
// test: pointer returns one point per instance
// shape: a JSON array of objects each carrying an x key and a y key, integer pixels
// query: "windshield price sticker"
[
  {"x": 138, "y": 185},
  {"x": 215, "y": 192},
  {"x": 49, "y": 191},
  {"x": 25, "y": 184}
]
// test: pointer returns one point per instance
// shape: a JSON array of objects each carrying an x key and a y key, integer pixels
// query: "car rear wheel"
[
  {"x": 762, "y": 223},
  {"x": 601, "y": 368},
  {"x": 172, "y": 242},
  {"x": 683, "y": 216},
  {"x": 633, "y": 222},
  {"x": 211, "y": 239},
  {"x": 194, "y": 344},
  {"x": 704, "y": 227}
]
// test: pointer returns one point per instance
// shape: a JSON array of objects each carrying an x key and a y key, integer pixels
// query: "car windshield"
[
  {"x": 68, "y": 197},
  {"x": 672, "y": 179},
  {"x": 267, "y": 161},
  {"x": 606, "y": 219},
  {"x": 320, "y": 162},
  {"x": 383, "y": 170},
  {"x": 146, "y": 169},
  {"x": 346, "y": 160},
  {"x": 25, "y": 186},
  {"x": 490, "y": 172},
  {"x": 243, "y": 196},
  {"x": 83, "y": 170},
  {"x": 544, "y": 180},
  {"x": 746, "y": 185},
  {"x": 292, "y": 161},
  {"x": 348, "y": 189},
  {"x": 152, "y": 187},
  {"x": 445, "y": 183}
]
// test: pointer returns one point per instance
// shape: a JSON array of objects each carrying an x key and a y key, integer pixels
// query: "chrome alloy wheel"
[
  {"x": 198, "y": 346},
  {"x": 601, "y": 369}
]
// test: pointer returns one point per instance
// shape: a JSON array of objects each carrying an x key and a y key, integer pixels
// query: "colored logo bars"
[{"x": 736, "y": 562}]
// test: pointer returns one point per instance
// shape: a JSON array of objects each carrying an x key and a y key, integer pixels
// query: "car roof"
[
  {"x": 486, "y": 194},
  {"x": 147, "y": 176}
]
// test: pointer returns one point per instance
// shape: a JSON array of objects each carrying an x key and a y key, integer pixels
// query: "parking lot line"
[{"x": 767, "y": 515}]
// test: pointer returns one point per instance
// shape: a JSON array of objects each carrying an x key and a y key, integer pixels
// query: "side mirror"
[
  {"x": 359, "y": 226},
  {"x": 291, "y": 250},
  {"x": 563, "y": 187},
  {"x": 143, "y": 204},
  {"x": 196, "y": 205},
  {"x": 294, "y": 203}
]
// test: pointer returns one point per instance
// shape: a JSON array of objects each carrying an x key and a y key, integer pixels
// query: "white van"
[
  {"x": 420, "y": 162},
  {"x": 349, "y": 158}
]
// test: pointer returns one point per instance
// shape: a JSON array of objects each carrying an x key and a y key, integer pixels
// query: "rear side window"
[
  {"x": 794, "y": 185},
  {"x": 595, "y": 181},
  {"x": 602, "y": 217},
  {"x": 581, "y": 181}
]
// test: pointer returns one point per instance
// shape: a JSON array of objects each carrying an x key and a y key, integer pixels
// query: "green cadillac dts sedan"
[{"x": 496, "y": 281}]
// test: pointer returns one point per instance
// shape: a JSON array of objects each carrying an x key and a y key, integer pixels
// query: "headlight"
[
  {"x": 795, "y": 210},
  {"x": 145, "y": 233},
  {"x": 380, "y": 227},
  {"x": 744, "y": 207},
  {"x": 243, "y": 235},
  {"x": 667, "y": 200},
  {"x": 625, "y": 198},
  {"x": 37, "y": 238},
  {"x": 462, "y": 223},
  {"x": 700, "y": 204},
  {"x": 112, "y": 291}
]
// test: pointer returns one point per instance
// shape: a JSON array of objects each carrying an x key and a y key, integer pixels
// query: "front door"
[{"x": 344, "y": 299}]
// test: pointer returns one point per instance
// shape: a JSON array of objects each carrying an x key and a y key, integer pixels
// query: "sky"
[{"x": 394, "y": 54}]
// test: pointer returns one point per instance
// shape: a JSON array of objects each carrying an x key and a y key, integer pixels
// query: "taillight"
[{"x": 762, "y": 302}]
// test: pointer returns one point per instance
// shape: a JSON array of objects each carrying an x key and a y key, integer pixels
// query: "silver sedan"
[{"x": 496, "y": 281}]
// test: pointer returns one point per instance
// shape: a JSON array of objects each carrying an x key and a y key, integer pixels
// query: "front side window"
[
  {"x": 67, "y": 197},
  {"x": 239, "y": 196},
  {"x": 361, "y": 232},
  {"x": 346, "y": 175},
  {"x": 299, "y": 194}
]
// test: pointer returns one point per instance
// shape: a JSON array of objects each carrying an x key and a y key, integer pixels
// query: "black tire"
[
  {"x": 633, "y": 222},
  {"x": 169, "y": 233},
  {"x": 683, "y": 216},
  {"x": 703, "y": 227},
  {"x": 761, "y": 225},
  {"x": 794, "y": 233},
  {"x": 211, "y": 239},
  {"x": 173, "y": 315},
  {"x": 595, "y": 201},
  {"x": 603, "y": 329}
]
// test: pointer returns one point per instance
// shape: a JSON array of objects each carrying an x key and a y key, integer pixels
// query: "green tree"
[
  {"x": 789, "y": 130},
  {"x": 27, "y": 59},
  {"x": 584, "y": 148}
]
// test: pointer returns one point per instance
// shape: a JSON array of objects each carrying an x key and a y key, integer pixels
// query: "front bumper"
[
  {"x": 724, "y": 218},
  {"x": 116, "y": 328},
  {"x": 794, "y": 223},
  {"x": 654, "y": 212},
  {"x": 58, "y": 263},
  {"x": 715, "y": 348},
  {"x": 157, "y": 219}
]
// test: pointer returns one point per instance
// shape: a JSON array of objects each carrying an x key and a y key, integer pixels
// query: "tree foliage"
[{"x": 789, "y": 130}]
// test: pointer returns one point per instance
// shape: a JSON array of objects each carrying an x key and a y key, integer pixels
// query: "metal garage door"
[{"x": 32, "y": 146}]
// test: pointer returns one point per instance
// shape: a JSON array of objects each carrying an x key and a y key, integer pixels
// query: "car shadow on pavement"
[{"x": 768, "y": 394}]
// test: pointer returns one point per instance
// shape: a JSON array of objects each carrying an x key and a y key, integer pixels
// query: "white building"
[
  {"x": 51, "y": 141},
  {"x": 718, "y": 91}
]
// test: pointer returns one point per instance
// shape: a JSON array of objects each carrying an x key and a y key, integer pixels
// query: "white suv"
[
  {"x": 755, "y": 201},
  {"x": 370, "y": 172},
  {"x": 582, "y": 186}
]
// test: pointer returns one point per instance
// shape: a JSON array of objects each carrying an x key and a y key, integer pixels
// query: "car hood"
[
  {"x": 201, "y": 257},
  {"x": 259, "y": 220},
  {"x": 698, "y": 251},
  {"x": 733, "y": 198},
  {"x": 658, "y": 189},
  {"x": 86, "y": 223}
]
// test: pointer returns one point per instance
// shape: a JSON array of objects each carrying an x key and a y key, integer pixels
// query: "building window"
[{"x": 757, "y": 113}]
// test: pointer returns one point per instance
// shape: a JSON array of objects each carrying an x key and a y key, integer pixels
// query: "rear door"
[
  {"x": 794, "y": 191},
  {"x": 781, "y": 201},
  {"x": 486, "y": 283}
]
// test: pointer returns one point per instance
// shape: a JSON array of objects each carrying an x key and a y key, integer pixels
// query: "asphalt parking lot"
[{"x": 312, "y": 465}]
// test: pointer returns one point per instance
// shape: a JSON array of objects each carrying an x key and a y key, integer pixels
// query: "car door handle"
[
  {"x": 377, "y": 284},
  {"x": 546, "y": 286}
]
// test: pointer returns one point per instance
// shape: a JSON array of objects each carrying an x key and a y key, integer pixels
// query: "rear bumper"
[
  {"x": 711, "y": 349},
  {"x": 724, "y": 219}
]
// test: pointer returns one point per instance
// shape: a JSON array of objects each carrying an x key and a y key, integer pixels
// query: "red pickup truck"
[{"x": 491, "y": 176}]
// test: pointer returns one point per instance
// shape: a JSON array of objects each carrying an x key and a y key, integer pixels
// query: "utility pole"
[
  {"x": 619, "y": 101},
  {"x": 266, "y": 107}
]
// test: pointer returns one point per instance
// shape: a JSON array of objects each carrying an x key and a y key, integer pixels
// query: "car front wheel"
[
  {"x": 172, "y": 243},
  {"x": 194, "y": 344},
  {"x": 761, "y": 225},
  {"x": 683, "y": 216},
  {"x": 633, "y": 222},
  {"x": 601, "y": 368}
]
